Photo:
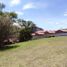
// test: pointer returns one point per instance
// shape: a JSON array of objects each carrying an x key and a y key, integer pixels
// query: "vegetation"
[
  {"x": 7, "y": 19},
  {"x": 5, "y": 28},
  {"x": 46, "y": 52},
  {"x": 26, "y": 30},
  {"x": 6, "y": 25},
  {"x": 50, "y": 52},
  {"x": 25, "y": 35},
  {"x": 2, "y": 6}
]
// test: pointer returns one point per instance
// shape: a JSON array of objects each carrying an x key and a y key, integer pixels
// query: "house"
[
  {"x": 46, "y": 33},
  {"x": 38, "y": 33},
  {"x": 62, "y": 32},
  {"x": 49, "y": 33},
  {"x": 52, "y": 33}
]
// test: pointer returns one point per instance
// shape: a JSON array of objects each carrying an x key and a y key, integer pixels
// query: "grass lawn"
[{"x": 47, "y": 52}]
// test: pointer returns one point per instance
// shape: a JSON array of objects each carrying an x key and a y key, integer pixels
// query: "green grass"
[{"x": 46, "y": 52}]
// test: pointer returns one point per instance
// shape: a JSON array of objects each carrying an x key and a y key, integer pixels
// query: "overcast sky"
[{"x": 48, "y": 14}]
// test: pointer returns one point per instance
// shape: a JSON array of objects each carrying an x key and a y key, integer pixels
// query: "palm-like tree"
[
  {"x": 27, "y": 29},
  {"x": 28, "y": 24}
]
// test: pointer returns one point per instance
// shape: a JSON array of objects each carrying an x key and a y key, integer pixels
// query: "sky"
[{"x": 47, "y": 14}]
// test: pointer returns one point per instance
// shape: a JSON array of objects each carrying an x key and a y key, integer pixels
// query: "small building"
[
  {"x": 38, "y": 34},
  {"x": 49, "y": 33},
  {"x": 61, "y": 33}
]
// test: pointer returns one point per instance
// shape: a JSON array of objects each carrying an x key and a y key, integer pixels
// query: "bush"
[
  {"x": 5, "y": 28},
  {"x": 25, "y": 35}
]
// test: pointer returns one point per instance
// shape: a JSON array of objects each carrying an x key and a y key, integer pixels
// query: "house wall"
[
  {"x": 49, "y": 35},
  {"x": 61, "y": 34}
]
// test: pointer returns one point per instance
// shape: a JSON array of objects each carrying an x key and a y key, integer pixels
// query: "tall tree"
[
  {"x": 13, "y": 15},
  {"x": 27, "y": 29},
  {"x": 2, "y": 6},
  {"x": 28, "y": 24}
]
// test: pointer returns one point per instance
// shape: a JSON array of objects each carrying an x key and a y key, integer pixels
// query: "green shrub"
[{"x": 25, "y": 35}]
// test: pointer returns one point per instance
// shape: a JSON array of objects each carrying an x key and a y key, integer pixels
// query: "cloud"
[
  {"x": 1, "y": 1},
  {"x": 19, "y": 12},
  {"x": 41, "y": 5},
  {"x": 29, "y": 6},
  {"x": 15, "y": 2},
  {"x": 58, "y": 23},
  {"x": 65, "y": 14},
  {"x": 34, "y": 5}
]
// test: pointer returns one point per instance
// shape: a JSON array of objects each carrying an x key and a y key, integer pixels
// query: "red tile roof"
[{"x": 40, "y": 32}]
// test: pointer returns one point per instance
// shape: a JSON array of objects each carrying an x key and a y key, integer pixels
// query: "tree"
[
  {"x": 31, "y": 25},
  {"x": 2, "y": 6},
  {"x": 21, "y": 21},
  {"x": 28, "y": 24},
  {"x": 13, "y": 15},
  {"x": 5, "y": 28},
  {"x": 25, "y": 35},
  {"x": 27, "y": 29}
]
